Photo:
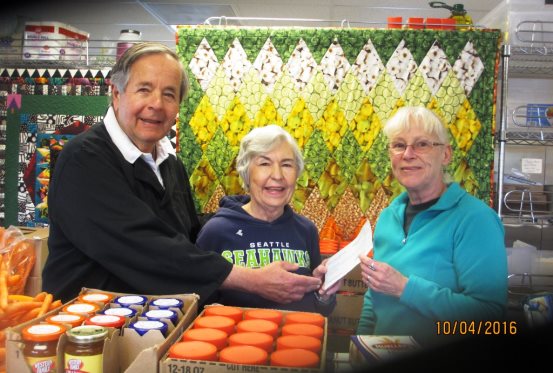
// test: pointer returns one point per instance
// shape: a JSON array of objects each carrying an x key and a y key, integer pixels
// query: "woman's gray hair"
[
  {"x": 120, "y": 73},
  {"x": 408, "y": 116},
  {"x": 262, "y": 140}
]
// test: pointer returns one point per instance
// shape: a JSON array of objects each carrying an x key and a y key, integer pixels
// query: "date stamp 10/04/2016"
[{"x": 461, "y": 327}]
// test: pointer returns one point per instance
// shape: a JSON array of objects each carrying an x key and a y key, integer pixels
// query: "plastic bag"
[{"x": 18, "y": 258}]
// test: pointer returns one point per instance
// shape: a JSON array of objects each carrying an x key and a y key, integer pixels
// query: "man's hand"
[{"x": 274, "y": 282}]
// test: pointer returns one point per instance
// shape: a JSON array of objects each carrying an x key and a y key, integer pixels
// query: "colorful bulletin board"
[{"x": 332, "y": 89}]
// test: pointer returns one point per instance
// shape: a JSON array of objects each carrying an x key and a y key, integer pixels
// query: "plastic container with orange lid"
[
  {"x": 234, "y": 313},
  {"x": 86, "y": 309},
  {"x": 108, "y": 321},
  {"x": 95, "y": 297},
  {"x": 223, "y": 323},
  {"x": 193, "y": 350},
  {"x": 216, "y": 337},
  {"x": 303, "y": 329},
  {"x": 262, "y": 340},
  {"x": 261, "y": 326},
  {"x": 296, "y": 358},
  {"x": 299, "y": 341},
  {"x": 249, "y": 355},
  {"x": 41, "y": 342},
  {"x": 71, "y": 319},
  {"x": 263, "y": 314},
  {"x": 304, "y": 318}
]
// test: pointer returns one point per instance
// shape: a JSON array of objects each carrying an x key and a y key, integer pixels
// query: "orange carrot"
[
  {"x": 45, "y": 304},
  {"x": 14, "y": 279},
  {"x": 40, "y": 296},
  {"x": 55, "y": 304},
  {"x": 3, "y": 287},
  {"x": 29, "y": 315}
]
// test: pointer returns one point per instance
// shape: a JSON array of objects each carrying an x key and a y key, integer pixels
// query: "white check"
[{"x": 341, "y": 263}]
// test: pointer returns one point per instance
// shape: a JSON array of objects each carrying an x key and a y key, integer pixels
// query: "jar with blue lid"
[
  {"x": 131, "y": 300},
  {"x": 166, "y": 303},
  {"x": 144, "y": 326},
  {"x": 120, "y": 311},
  {"x": 162, "y": 314}
]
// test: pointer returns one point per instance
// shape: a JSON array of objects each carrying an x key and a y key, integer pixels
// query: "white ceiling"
[{"x": 103, "y": 19}]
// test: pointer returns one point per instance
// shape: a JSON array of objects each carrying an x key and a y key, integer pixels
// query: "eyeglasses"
[{"x": 419, "y": 147}]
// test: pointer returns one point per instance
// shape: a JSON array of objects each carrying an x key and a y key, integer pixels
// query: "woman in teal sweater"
[{"x": 439, "y": 252}]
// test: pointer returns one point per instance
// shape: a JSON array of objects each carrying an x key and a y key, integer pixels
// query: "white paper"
[
  {"x": 532, "y": 165},
  {"x": 341, "y": 263}
]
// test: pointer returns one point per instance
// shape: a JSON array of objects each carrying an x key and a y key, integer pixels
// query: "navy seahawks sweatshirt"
[{"x": 246, "y": 241}]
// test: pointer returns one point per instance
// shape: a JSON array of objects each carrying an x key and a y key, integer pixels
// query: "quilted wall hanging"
[
  {"x": 40, "y": 109},
  {"x": 333, "y": 89}
]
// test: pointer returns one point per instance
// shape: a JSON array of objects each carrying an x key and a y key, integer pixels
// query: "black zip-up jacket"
[{"x": 114, "y": 227}]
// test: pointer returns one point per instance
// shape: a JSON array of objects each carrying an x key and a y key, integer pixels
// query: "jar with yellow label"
[
  {"x": 41, "y": 341},
  {"x": 84, "y": 349}
]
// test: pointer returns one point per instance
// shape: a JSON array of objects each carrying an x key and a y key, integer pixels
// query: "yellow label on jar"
[
  {"x": 45, "y": 364},
  {"x": 84, "y": 364}
]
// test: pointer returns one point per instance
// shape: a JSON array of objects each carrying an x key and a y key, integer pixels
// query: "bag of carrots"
[{"x": 18, "y": 258}]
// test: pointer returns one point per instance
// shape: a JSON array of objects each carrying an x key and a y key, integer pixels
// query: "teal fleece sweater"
[{"x": 455, "y": 260}]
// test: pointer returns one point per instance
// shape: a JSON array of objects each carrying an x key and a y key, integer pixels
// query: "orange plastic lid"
[
  {"x": 263, "y": 314},
  {"x": 305, "y": 318},
  {"x": 193, "y": 350},
  {"x": 43, "y": 332},
  {"x": 261, "y": 326},
  {"x": 109, "y": 321},
  {"x": 223, "y": 323},
  {"x": 234, "y": 313},
  {"x": 295, "y": 357},
  {"x": 66, "y": 319},
  {"x": 213, "y": 336},
  {"x": 307, "y": 342},
  {"x": 303, "y": 329},
  {"x": 101, "y": 298},
  {"x": 243, "y": 355},
  {"x": 261, "y": 340},
  {"x": 87, "y": 309}
]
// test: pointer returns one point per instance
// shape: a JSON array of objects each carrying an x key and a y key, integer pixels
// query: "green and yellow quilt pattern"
[{"x": 333, "y": 89}]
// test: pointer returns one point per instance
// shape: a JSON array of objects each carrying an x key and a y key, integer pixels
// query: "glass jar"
[
  {"x": 85, "y": 309},
  {"x": 108, "y": 321},
  {"x": 126, "y": 40},
  {"x": 166, "y": 303},
  {"x": 143, "y": 326},
  {"x": 41, "y": 341},
  {"x": 162, "y": 314},
  {"x": 84, "y": 349},
  {"x": 71, "y": 319},
  {"x": 97, "y": 298},
  {"x": 131, "y": 300},
  {"x": 120, "y": 311}
]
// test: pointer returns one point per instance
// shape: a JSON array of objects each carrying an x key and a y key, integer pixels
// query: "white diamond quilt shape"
[
  {"x": 301, "y": 65},
  {"x": 269, "y": 65},
  {"x": 236, "y": 64},
  {"x": 468, "y": 67},
  {"x": 204, "y": 64},
  {"x": 367, "y": 66},
  {"x": 401, "y": 66},
  {"x": 434, "y": 67},
  {"x": 334, "y": 66}
]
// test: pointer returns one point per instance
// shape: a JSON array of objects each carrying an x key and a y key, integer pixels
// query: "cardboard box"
[
  {"x": 372, "y": 349},
  {"x": 347, "y": 312},
  {"x": 54, "y": 41},
  {"x": 170, "y": 365},
  {"x": 40, "y": 234},
  {"x": 129, "y": 352}
]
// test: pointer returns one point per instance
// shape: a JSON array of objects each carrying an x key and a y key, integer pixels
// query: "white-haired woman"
[
  {"x": 260, "y": 228},
  {"x": 439, "y": 252}
]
